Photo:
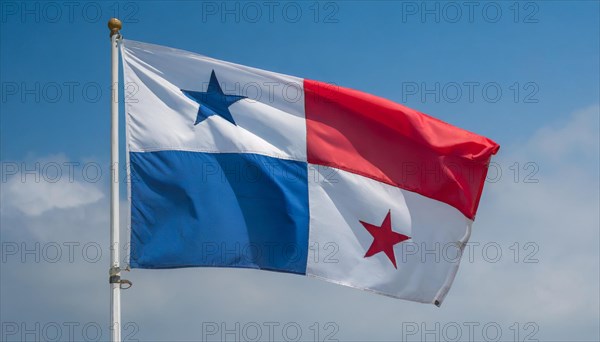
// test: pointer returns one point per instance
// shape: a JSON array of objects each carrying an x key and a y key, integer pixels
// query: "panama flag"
[{"x": 232, "y": 166}]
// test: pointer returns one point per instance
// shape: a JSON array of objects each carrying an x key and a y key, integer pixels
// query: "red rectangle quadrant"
[{"x": 388, "y": 142}]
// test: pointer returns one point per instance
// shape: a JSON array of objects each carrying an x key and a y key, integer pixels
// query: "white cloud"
[
  {"x": 35, "y": 198},
  {"x": 578, "y": 135},
  {"x": 45, "y": 184}
]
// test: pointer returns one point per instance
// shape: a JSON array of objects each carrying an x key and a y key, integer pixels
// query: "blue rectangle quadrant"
[{"x": 218, "y": 209}]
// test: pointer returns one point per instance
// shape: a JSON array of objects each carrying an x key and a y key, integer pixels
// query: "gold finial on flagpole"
[{"x": 115, "y": 26}]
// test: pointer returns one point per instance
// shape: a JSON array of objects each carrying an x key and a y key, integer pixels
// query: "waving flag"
[{"x": 233, "y": 166}]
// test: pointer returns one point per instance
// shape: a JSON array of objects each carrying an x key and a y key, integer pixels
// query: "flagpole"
[{"x": 114, "y": 25}]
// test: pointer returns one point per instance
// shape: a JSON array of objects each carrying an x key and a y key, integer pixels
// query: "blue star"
[{"x": 213, "y": 101}]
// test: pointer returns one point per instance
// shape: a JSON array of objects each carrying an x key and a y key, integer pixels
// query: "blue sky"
[{"x": 542, "y": 56}]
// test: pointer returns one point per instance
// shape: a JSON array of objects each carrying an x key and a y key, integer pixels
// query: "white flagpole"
[{"x": 115, "y": 271}]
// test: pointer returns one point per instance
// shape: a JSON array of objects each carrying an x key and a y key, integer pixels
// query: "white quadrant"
[
  {"x": 270, "y": 121},
  {"x": 339, "y": 200}
]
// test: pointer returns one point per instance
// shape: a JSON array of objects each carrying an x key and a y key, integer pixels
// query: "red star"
[{"x": 384, "y": 238}]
